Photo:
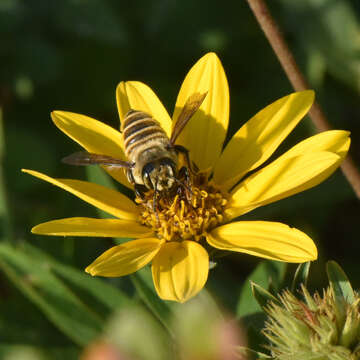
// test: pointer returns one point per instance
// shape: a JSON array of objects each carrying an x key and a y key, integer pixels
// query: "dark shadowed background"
[{"x": 71, "y": 54}]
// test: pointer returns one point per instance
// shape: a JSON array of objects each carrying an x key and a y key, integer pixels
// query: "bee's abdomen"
[{"x": 139, "y": 131}]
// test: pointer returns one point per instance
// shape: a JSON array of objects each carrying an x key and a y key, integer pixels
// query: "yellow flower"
[{"x": 175, "y": 237}]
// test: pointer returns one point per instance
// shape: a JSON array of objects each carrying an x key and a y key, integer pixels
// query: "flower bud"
[{"x": 316, "y": 327}]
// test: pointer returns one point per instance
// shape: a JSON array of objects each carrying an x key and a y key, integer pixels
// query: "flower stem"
[{"x": 298, "y": 81}]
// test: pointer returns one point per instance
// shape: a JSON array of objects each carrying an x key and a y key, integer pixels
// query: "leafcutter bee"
[{"x": 152, "y": 156}]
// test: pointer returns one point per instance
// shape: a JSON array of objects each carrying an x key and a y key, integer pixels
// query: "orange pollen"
[{"x": 185, "y": 215}]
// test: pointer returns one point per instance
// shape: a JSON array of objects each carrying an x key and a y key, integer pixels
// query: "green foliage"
[
  {"x": 70, "y": 55},
  {"x": 261, "y": 295},
  {"x": 137, "y": 333},
  {"x": 324, "y": 325},
  {"x": 35, "y": 276},
  {"x": 267, "y": 274},
  {"x": 145, "y": 289},
  {"x": 5, "y": 221},
  {"x": 339, "y": 283},
  {"x": 24, "y": 352},
  {"x": 330, "y": 36},
  {"x": 301, "y": 276}
]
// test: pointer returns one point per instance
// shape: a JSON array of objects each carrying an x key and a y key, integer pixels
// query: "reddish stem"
[{"x": 298, "y": 81}]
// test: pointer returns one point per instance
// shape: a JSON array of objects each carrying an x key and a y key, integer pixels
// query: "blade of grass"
[
  {"x": 36, "y": 281},
  {"x": 97, "y": 288}
]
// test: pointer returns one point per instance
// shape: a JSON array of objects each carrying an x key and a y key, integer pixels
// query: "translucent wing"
[
  {"x": 191, "y": 106},
  {"x": 85, "y": 158}
]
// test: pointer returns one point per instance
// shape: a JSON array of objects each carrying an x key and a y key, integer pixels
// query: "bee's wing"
[
  {"x": 85, "y": 158},
  {"x": 191, "y": 106}
]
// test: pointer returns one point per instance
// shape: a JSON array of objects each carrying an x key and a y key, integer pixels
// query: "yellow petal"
[
  {"x": 95, "y": 137},
  {"x": 269, "y": 240},
  {"x": 257, "y": 140},
  {"x": 180, "y": 270},
  {"x": 280, "y": 179},
  {"x": 126, "y": 258},
  {"x": 81, "y": 226},
  {"x": 205, "y": 133},
  {"x": 108, "y": 200},
  {"x": 136, "y": 95},
  {"x": 335, "y": 141}
]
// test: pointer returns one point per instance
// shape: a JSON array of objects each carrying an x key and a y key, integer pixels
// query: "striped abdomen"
[{"x": 141, "y": 132}]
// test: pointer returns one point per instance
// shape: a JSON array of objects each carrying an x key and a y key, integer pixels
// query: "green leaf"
[
  {"x": 147, "y": 294},
  {"x": 301, "y": 276},
  {"x": 36, "y": 281},
  {"x": 29, "y": 352},
  {"x": 261, "y": 295},
  {"x": 266, "y": 273},
  {"x": 339, "y": 282},
  {"x": 330, "y": 33},
  {"x": 316, "y": 67},
  {"x": 102, "y": 292},
  {"x": 5, "y": 219},
  {"x": 15, "y": 328}
]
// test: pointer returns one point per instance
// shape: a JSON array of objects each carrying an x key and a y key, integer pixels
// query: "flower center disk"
[{"x": 183, "y": 214}]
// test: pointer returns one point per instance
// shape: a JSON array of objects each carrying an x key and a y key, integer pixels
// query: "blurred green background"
[{"x": 71, "y": 54}]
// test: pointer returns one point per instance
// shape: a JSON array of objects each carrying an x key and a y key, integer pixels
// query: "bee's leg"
[
  {"x": 192, "y": 167},
  {"x": 140, "y": 191},
  {"x": 184, "y": 174},
  {"x": 154, "y": 202}
]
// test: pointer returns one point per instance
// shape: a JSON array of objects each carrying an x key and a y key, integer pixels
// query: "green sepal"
[
  {"x": 246, "y": 353},
  {"x": 261, "y": 295},
  {"x": 266, "y": 273},
  {"x": 301, "y": 276},
  {"x": 339, "y": 282}
]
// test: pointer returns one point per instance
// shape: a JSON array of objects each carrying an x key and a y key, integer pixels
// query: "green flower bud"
[{"x": 316, "y": 327}]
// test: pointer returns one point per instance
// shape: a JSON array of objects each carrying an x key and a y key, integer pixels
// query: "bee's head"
[{"x": 159, "y": 175}]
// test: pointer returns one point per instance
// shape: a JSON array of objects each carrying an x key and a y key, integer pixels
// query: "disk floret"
[{"x": 185, "y": 214}]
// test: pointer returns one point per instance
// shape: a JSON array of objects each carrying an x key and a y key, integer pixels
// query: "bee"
[{"x": 152, "y": 156}]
